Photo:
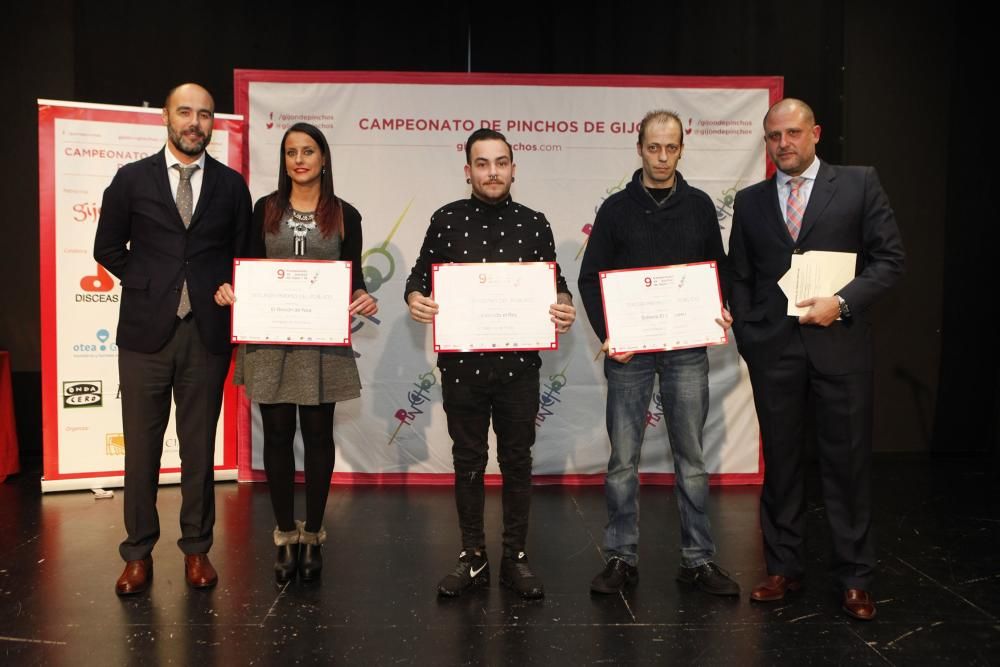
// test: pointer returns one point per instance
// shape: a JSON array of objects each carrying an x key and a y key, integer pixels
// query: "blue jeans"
[{"x": 684, "y": 392}]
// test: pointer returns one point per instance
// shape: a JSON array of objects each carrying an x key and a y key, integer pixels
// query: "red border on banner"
[
  {"x": 48, "y": 112},
  {"x": 47, "y": 289},
  {"x": 494, "y": 479},
  {"x": 242, "y": 78}
]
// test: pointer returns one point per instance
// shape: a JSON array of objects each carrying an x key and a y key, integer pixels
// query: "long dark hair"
[{"x": 329, "y": 211}]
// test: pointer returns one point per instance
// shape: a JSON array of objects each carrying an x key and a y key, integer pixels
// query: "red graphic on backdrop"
[{"x": 102, "y": 282}]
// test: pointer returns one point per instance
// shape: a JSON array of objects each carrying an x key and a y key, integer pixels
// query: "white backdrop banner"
[
  {"x": 80, "y": 148},
  {"x": 397, "y": 142}
]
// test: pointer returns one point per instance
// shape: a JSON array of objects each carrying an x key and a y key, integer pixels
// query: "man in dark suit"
[
  {"x": 170, "y": 226},
  {"x": 826, "y": 352}
]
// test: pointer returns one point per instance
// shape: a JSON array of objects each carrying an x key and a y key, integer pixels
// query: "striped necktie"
[{"x": 795, "y": 208}]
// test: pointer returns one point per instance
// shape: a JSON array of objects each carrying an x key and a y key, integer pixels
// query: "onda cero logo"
[{"x": 79, "y": 394}]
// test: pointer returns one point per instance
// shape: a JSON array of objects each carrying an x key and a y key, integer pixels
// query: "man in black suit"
[
  {"x": 826, "y": 352},
  {"x": 170, "y": 226}
]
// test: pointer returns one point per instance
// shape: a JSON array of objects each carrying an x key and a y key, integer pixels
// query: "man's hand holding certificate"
[
  {"x": 493, "y": 306},
  {"x": 812, "y": 280},
  {"x": 663, "y": 308},
  {"x": 292, "y": 302}
]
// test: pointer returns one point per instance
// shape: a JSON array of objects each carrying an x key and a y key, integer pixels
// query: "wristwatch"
[{"x": 845, "y": 310}]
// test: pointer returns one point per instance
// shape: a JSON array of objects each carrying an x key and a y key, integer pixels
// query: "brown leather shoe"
[
  {"x": 859, "y": 604},
  {"x": 136, "y": 577},
  {"x": 774, "y": 588},
  {"x": 199, "y": 572}
]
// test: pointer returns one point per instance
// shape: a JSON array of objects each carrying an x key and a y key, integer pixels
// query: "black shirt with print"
[{"x": 472, "y": 231}]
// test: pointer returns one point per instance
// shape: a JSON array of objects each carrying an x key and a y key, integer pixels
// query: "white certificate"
[
  {"x": 816, "y": 273},
  {"x": 494, "y": 306},
  {"x": 662, "y": 308},
  {"x": 291, "y": 302}
]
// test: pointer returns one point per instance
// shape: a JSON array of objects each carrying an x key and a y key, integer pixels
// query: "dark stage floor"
[{"x": 938, "y": 589}]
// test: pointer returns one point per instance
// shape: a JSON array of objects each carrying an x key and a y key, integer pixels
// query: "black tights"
[{"x": 316, "y": 422}]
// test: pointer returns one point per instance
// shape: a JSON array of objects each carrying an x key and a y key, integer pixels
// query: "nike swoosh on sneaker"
[{"x": 473, "y": 571}]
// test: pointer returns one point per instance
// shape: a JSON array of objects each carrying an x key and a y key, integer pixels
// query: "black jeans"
[{"x": 513, "y": 405}]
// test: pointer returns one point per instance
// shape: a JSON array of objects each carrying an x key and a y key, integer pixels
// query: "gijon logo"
[{"x": 86, "y": 212}]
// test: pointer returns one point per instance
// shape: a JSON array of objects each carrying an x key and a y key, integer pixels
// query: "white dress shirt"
[
  {"x": 175, "y": 176},
  {"x": 805, "y": 190}
]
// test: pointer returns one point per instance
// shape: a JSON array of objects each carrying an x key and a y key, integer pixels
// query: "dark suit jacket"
[
  {"x": 139, "y": 210},
  {"x": 848, "y": 212}
]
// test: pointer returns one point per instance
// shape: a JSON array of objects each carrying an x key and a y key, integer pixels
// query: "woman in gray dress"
[{"x": 302, "y": 219}]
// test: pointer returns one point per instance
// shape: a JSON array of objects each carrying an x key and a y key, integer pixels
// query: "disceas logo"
[
  {"x": 78, "y": 394},
  {"x": 96, "y": 287},
  {"x": 415, "y": 398},
  {"x": 99, "y": 282},
  {"x": 549, "y": 396}
]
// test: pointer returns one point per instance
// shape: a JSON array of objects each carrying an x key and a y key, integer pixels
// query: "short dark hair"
[
  {"x": 660, "y": 116},
  {"x": 485, "y": 134}
]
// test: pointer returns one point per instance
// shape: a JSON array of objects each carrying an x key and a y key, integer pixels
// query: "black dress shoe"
[
  {"x": 310, "y": 561},
  {"x": 615, "y": 577},
  {"x": 286, "y": 563},
  {"x": 710, "y": 578}
]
